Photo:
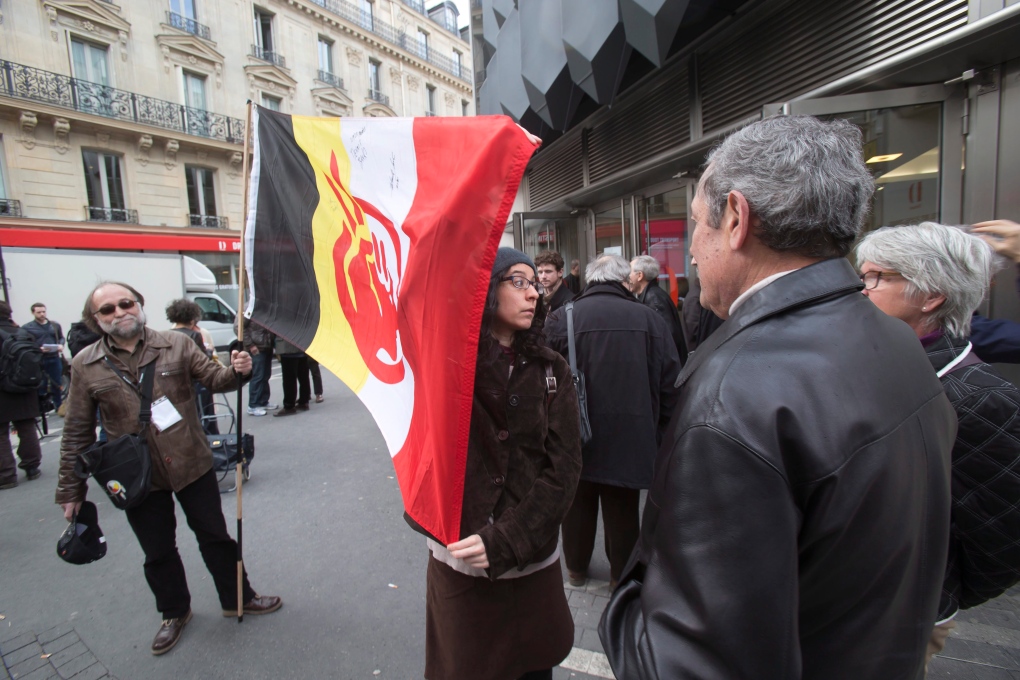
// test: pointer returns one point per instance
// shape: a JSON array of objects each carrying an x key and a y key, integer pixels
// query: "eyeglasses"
[
  {"x": 872, "y": 278},
  {"x": 108, "y": 308},
  {"x": 522, "y": 283}
]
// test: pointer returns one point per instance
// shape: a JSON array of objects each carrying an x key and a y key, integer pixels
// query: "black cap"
[{"x": 83, "y": 541}]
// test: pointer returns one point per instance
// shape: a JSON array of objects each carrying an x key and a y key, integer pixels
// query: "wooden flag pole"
[{"x": 242, "y": 458}]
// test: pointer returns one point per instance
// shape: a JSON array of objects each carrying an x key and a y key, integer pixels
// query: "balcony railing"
[
  {"x": 189, "y": 25},
  {"x": 347, "y": 11},
  {"x": 10, "y": 208},
  {"x": 331, "y": 79},
  {"x": 376, "y": 95},
  {"x": 430, "y": 114},
  {"x": 112, "y": 215},
  {"x": 209, "y": 221},
  {"x": 26, "y": 82},
  {"x": 268, "y": 55}
]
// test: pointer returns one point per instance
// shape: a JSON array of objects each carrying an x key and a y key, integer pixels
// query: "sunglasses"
[{"x": 108, "y": 308}]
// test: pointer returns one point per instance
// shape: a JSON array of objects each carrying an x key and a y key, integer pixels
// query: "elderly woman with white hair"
[{"x": 933, "y": 277}]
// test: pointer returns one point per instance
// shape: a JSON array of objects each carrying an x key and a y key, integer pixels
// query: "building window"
[
  {"x": 457, "y": 61},
  {"x": 90, "y": 62},
  {"x": 423, "y": 44},
  {"x": 201, "y": 197},
  {"x": 184, "y": 8},
  {"x": 463, "y": 107},
  {"x": 431, "y": 92},
  {"x": 373, "y": 78},
  {"x": 264, "y": 32},
  {"x": 104, "y": 187},
  {"x": 325, "y": 55},
  {"x": 367, "y": 14},
  {"x": 194, "y": 91},
  {"x": 271, "y": 102}
]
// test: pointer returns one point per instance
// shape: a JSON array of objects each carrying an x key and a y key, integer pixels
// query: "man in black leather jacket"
[{"x": 798, "y": 521}]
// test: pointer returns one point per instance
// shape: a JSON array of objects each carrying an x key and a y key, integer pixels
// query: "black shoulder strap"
[
  {"x": 145, "y": 391},
  {"x": 571, "y": 351}
]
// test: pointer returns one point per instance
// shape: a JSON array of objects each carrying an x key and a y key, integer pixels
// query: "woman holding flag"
[{"x": 495, "y": 606}]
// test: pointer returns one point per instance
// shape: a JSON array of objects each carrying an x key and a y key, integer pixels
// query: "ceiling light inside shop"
[
  {"x": 883, "y": 159},
  {"x": 921, "y": 167}
]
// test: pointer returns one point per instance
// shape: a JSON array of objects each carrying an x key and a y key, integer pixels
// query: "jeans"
[
  {"x": 261, "y": 371},
  {"x": 53, "y": 369},
  {"x": 155, "y": 526}
]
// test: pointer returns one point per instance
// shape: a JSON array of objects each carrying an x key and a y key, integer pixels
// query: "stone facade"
[{"x": 171, "y": 96}]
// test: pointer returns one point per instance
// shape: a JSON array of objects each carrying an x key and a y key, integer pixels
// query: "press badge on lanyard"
[{"x": 164, "y": 414}]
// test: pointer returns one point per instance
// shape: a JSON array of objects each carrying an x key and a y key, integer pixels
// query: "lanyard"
[{"x": 955, "y": 362}]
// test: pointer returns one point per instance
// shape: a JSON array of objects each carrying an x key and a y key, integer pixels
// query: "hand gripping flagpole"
[{"x": 242, "y": 457}]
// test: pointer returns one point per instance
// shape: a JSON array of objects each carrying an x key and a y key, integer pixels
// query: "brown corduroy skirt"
[{"x": 494, "y": 630}]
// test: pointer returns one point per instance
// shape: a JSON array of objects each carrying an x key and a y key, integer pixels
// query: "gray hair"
[
  {"x": 935, "y": 260},
  {"x": 803, "y": 178},
  {"x": 607, "y": 269},
  {"x": 647, "y": 265}
]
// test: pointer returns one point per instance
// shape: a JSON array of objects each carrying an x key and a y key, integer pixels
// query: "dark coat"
[
  {"x": 984, "y": 553},
  {"x": 697, "y": 322},
  {"x": 17, "y": 406},
  {"x": 660, "y": 301},
  {"x": 798, "y": 523},
  {"x": 79, "y": 337},
  {"x": 562, "y": 296},
  {"x": 629, "y": 364}
]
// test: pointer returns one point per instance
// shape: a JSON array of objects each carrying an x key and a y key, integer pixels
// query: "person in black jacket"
[
  {"x": 550, "y": 275},
  {"x": 644, "y": 283},
  {"x": 629, "y": 363},
  {"x": 933, "y": 277},
  {"x": 21, "y": 409},
  {"x": 798, "y": 522}
]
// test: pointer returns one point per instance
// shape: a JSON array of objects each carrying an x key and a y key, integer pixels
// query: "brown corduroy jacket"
[{"x": 181, "y": 453}]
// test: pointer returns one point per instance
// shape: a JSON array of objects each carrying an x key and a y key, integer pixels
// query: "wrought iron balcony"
[
  {"x": 210, "y": 221},
  {"x": 268, "y": 55},
  {"x": 330, "y": 79},
  {"x": 189, "y": 25},
  {"x": 430, "y": 114},
  {"x": 376, "y": 95},
  {"x": 10, "y": 208},
  {"x": 26, "y": 82},
  {"x": 112, "y": 215},
  {"x": 353, "y": 14}
]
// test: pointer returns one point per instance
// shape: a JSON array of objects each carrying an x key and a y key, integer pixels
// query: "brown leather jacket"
[{"x": 181, "y": 454}]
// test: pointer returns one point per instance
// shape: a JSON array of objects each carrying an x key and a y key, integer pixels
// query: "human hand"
[
  {"x": 471, "y": 550},
  {"x": 241, "y": 361},
  {"x": 532, "y": 138},
  {"x": 70, "y": 509},
  {"x": 1002, "y": 235}
]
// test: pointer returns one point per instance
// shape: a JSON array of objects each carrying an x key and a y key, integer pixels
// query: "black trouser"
[
  {"x": 313, "y": 367},
  {"x": 294, "y": 370},
  {"x": 155, "y": 526},
  {"x": 28, "y": 449},
  {"x": 619, "y": 517}
]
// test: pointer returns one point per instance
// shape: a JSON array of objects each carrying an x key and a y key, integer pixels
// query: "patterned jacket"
[{"x": 984, "y": 543}]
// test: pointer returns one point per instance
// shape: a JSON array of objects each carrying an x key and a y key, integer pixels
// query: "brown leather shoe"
[
  {"x": 577, "y": 579},
  {"x": 260, "y": 604},
  {"x": 169, "y": 633}
]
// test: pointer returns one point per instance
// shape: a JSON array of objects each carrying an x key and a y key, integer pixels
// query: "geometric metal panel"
[
  {"x": 513, "y": 98},
  {"x": 552, "y": 94},
  {"x": 652, "y": 24},
  {"x": 596, "y": 44}
]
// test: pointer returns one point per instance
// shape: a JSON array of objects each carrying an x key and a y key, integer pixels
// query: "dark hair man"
[
  {"x": 798, "y": 523},
  {"x": 644, "y": 283},
  {"x": 21, "y": 409},
  {"x": 50, "y": 338},
  {"x": 573, "y": 279},
  {"x": 549, "y": 271},
  {"x": 181, "y": 458},
  {"x": 629, "y": 364}
]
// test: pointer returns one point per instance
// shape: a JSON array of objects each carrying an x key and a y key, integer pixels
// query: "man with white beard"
[{"x": 108, "y": 375}]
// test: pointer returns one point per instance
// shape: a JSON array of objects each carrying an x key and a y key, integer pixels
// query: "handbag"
[
  {"x": 578, "y": 377},
  {"x": 123, "y": 466},
  {"x": 225, "y": 452}
]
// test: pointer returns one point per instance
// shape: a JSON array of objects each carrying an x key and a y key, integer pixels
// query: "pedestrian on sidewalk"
[
  {"x": 316, "y": 371},
  {"x": 495, "y": 606},
  {"x": 20, "y": 409},
  {"x": 50, "y": 339},
  {"x": 259, "y": 342},
  {"x": 933, "y": 277},
  {"x": 293, "y": 372},
  {"x": 107, "y": 375}
]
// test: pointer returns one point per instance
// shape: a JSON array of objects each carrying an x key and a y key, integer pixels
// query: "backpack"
[{"x": 20, "y": 362}]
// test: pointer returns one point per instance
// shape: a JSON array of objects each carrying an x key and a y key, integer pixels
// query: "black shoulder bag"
[
  {"x": 123, "y": 466},
  {"x": 578, "y": 377}
]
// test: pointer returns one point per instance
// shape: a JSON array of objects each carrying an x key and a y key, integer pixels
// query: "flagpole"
[{"x": 241, "y": 457}]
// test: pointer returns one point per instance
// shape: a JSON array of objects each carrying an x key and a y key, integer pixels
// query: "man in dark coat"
[
  {"x": 798, "y": 522},
  {"x": 21, "y": 409},
  {"x": 644, "y": 283},
  {"x": 50, "y": 339},
  {"x": 573, "y": 279},
  {"x": 629, "y": 363},
  {"x": 550, "y": 275}
]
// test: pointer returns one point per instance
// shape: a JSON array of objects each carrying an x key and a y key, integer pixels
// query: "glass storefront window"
[
  {"x": 609, "y": 232},
  {"x": 662, "y": 233},
  {"x": 901, "y": 148},
  {"x": 549, "y": 233}
]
